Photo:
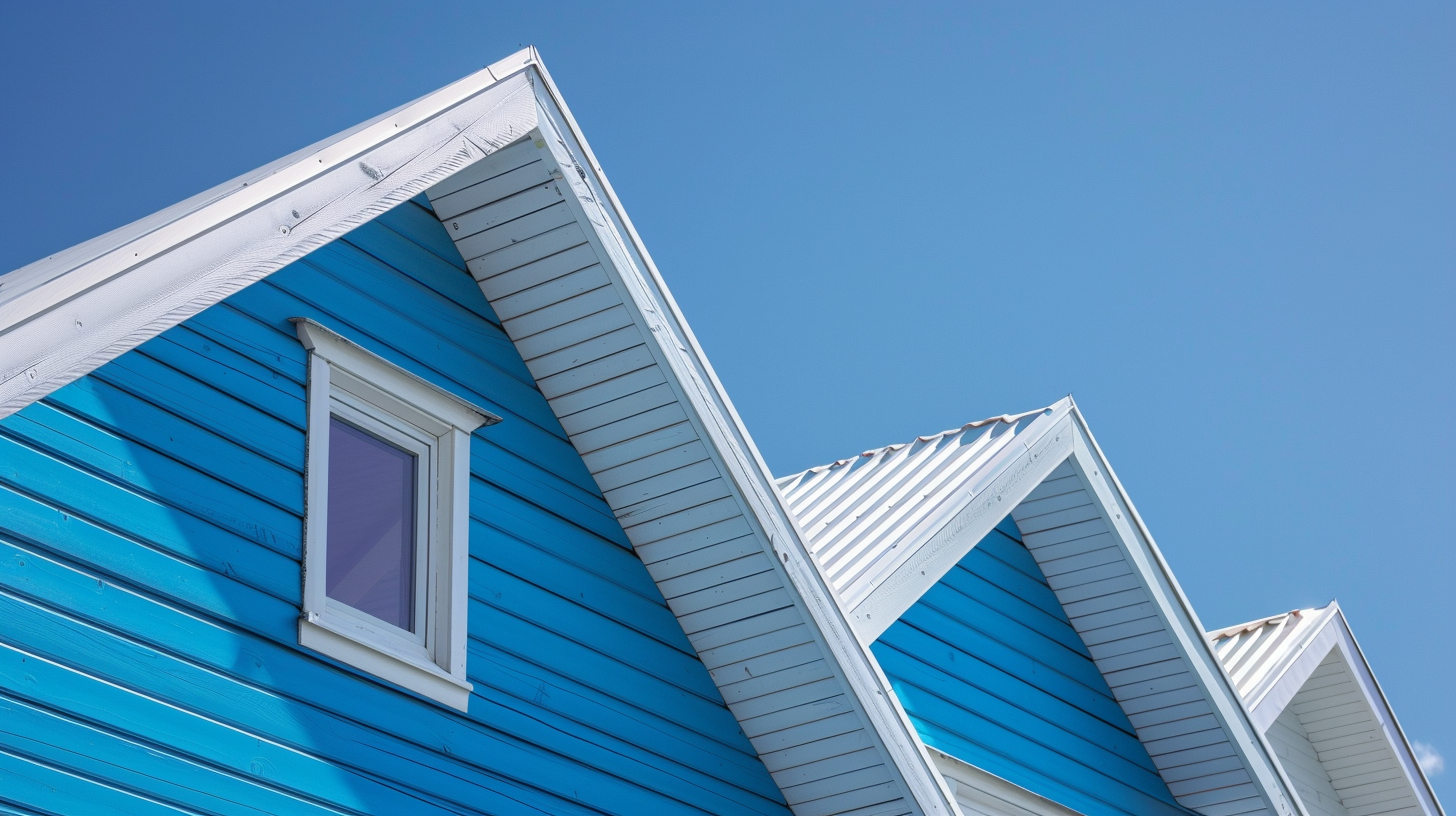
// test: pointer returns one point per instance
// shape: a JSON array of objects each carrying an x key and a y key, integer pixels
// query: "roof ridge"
[
  {"x": 1009, "y": 419},
  {"x": 1240, "y": 628}
]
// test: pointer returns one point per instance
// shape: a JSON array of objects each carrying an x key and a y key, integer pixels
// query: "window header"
[{"x": 423, "y": 395}]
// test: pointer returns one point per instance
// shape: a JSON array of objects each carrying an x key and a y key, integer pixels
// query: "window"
[{"x": 386, "y": 522}]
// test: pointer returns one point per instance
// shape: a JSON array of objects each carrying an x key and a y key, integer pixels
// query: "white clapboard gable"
[
  {"x": 886, "y": 526},
  {"x": 517, "y": 188},
  {"x": 1308, "y": 687}
]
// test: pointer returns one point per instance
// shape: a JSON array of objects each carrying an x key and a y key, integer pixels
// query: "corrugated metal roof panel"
[
  {"x": 866, "y": 518},
  {"x": 855, "y": 513},
  {"x": 1307, "y": 683},
  {"x": 1254, "y": 652}
]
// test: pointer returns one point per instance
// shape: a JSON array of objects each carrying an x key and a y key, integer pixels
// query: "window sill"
[{"x": 408, "y": 671}]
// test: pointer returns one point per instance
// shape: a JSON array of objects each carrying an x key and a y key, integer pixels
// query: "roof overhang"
[
  {"x": 622, "y": 392},
  {"x": 1047, "y": 472},
  {"x": 1272, "y": 662},
  {"x": 65, "y": 315}
]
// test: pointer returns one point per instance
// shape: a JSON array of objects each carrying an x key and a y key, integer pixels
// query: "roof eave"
[
  {"x": 1273, "y": 693},
  {"x": 1193, "y": 628}
]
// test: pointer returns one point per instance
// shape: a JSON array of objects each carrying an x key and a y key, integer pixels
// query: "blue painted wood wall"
[
  {"x": 991, "y": 672},
  {"x": 150, "y": 535}
]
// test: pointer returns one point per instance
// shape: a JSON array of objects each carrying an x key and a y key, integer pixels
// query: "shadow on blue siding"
[
  {"x": 991, "y": 672},
  {"x": 150, "y": 537}
]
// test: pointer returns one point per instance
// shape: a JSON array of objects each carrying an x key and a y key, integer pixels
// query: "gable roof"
[
  {"x": 857, "y": 514},
  {"x": 1307, "y": 663},
  {"x": 519, "y": 191},
  {"x": 886, "y": 526}
]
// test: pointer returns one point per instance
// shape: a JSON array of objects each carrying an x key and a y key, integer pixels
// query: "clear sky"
[{"x": 1229, "y": 231}]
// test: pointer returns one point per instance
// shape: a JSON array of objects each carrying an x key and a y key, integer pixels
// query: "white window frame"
[{"x": 382, "y": 399}]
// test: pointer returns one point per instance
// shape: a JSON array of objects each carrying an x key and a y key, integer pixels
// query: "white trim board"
[
  {"x": 347, "y": 380},
  {"x": 65, "y": 316},
  {"x": 1055, "y": 481},
  {"x": 1328, "y": 644}
]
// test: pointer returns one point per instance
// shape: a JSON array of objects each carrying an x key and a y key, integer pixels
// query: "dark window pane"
[{"x": 371, "y": 538}]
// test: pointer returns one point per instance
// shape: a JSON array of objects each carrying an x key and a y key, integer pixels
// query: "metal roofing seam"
[
  {"x": 1252, "y": 652},
  {"x": 857, "y": 512}
]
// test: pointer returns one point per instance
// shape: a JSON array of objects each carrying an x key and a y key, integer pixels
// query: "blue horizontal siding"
[
  {"x": 150, "y": 538},
  {"x": 991, "y": 671}
]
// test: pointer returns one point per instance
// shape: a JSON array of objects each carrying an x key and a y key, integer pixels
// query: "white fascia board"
[
  {"x": 1000, "y": 485},
  {"x": 1271, "y": 696},
  {"x": 1355, "y": 656},
  {"x": 737, "y": 458},
  {"x": 58, "y": 324},
  {"x": 1182, "y": 623},
  {"x": 1067, "y": 438},
  {"x": 1334, "y": 634}
]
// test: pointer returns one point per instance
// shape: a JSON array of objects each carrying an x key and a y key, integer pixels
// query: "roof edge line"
[
  {"x": 744, "y": 468},
  {"x": 1389, "y": 711},
  {"x": 96, "y": 319},
  {"x": 1227, "y": 688}
]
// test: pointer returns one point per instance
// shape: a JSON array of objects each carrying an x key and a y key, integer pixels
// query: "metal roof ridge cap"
[
  {"x": 1009, "y": 419},
  {"x": 1249, "y": 626}
]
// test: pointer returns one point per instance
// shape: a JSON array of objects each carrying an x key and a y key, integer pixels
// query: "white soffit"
[
  {"x": 1307, "y": 663},
  {"x": 886, "y": 526},
  {"x": 554, "y": 253},
  {"x": 526, "y": 202}
]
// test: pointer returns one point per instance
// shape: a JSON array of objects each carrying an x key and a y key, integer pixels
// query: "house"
[
  {"x": 1049, "y": 663},
  {"x": 1308, "y": 687},
  {"x": 389, "y": 478}
]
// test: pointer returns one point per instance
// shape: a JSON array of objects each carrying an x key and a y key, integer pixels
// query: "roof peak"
[
  {"x": 1007, "y": 419},
  {"x": 1238, "y": 629}
]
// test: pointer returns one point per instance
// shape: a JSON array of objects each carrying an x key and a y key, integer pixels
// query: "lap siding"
[
  {"x": 563, "y": 302},
  {"x": 150, "y": 529},
  {"x": 1023, "y": 700}
]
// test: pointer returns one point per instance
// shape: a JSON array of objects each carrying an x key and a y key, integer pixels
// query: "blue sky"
[{"x": 1230, "y": 232}]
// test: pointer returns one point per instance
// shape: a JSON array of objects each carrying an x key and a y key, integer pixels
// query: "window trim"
[{"x": 384, "y": 399}]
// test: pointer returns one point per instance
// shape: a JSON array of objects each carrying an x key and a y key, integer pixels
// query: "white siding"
[
  {"x": 553, "y": 288},
  {"x": 1348, "y": 739},
  {"x": 1301, "y": 762},
  {"x": 1111, "y": 609},
  {"x": 1295, "y": 667}
]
